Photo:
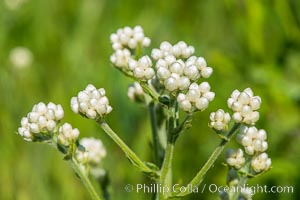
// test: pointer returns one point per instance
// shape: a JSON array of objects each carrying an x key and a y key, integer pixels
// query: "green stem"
[
  {"x": 196, "y": 181},
  {"x": 148, "y": 90},
  {"x": 155, "y": 139},
  {"x": 133, "y": 158},
  {"x": 85, "y": 180},
  {"x": 166, "y": 169}
]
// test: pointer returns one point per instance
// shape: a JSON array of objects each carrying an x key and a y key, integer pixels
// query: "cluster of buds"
[
  {"x": 142, "y": 69},
  {"x": 67, "y": 135},
  {"x": 234, "y": 158},
  {"x": 129, "y": 38},
  {"x": 179, "y": 50},
  {"x": 244, "y": 105},
  {"x": 174, "y": 67},
  {"x": 41, "y": 122},
  {"x": 177, "y": 74},
  {"x": 91, "y": 103},
  {"x": 136, "y": 92},
  {"x": 92, "y": 152},
  {"x": 124, "y": 41},
  {"x": 252, "y": 139},
  {"x": 261, "y": 163},
  {"x": 196, "y": 98},
  {"x": 219, "y": 120}
]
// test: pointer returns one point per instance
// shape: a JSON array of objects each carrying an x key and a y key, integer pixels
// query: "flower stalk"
[
  {"x": 133, "y": 158},
  {"x": 81, "y": 172},
  {"x": 197, "y": 180}
]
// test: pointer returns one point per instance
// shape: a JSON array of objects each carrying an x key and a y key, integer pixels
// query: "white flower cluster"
[
  {"x": 235, "y": 158},
  {"x": 179, "y": 50},
  {"x": 196, "y": 98},
  {"x": 219, "y": 120},
  {"x": 261, "y": 162},
  {"x": 91, "y": 103},
  {"x": 175, "y": 74},
  {"x": 120, "y": 58},
  {"x": 124, "y": 40},
  {"x": 142, "y": 69},
  {"x": 244, "y": 104},
  {"x": 67, "y": 135},
  {"x": 129, "y": 38},
  {"x": 135, "y": 92},
  {"x": 41, "y": 121},
  {"x": 253, "y": 140},
  {"x": 93, "y": 152}
]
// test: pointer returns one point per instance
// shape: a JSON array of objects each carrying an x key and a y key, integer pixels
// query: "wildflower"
[
  {"x": 235, "y": 158},
  {"x": 175, "y": 74},
  {"x": 261, "y": 162},
  {"x": 179, "y": 50},
  {"x": 91, "y": 103},
  {"x": 129, "y": 38},
  {"x": 136, "y": 92},
  {"x": 92, "y": 153},
  {"x": 196, "y": 98},
  {"x": 219, "y": 120},
  {"x": 41, "y": 122},
  {"x": 253, "y": 140},
  {"x": 120, "y": 58},
  {"x": 142, "y": 69},
  {"x": 67, "y": 135},
  {"x": 244, "y": 104}
]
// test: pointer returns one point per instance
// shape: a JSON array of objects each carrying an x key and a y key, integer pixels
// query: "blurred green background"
[{"x": 248, "y": 43}]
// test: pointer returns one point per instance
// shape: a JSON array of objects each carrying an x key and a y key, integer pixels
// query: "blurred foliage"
[{"x": 248, "y": 43}]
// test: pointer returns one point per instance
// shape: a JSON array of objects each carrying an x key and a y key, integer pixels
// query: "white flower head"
[
  {"x": 261, "y": 163},
  {"x": 244, "y": 105},
  {"x": 175, "y": 72},
  {"x": 196, "y": 98},
  {"x": 128, "y": 37},
  {"x": 142, "y": 69},
  {"x": 235, "y": 158},
  {"x": 67, "y": 135},
  {"x": 93, "y": 151},
  {"x": 252, "y": 139},
  {"x": 219, "y": 120},
  {"x": 91, "y": 103},
  {"x": 179, "y": 50},
  {"x": 136, "y": 92},
  {"x": 41, "y": 122},
  {"x": 21, "y": 57},
  {"x": 120, "y": 58}
]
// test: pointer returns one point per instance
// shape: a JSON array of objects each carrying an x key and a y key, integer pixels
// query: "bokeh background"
[{"x": 248, "y": 43}]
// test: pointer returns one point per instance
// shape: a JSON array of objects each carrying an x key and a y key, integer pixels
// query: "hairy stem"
[
  {"x": 85, "y": 180},
  {"x": 133, "y": 158},
  {"x": 196, "y": 181}
]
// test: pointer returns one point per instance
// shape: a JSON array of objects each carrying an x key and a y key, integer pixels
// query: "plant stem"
[
  {"x": 85, "y": 180},
  {"x": 166, "y": 169},
  {"x": 148, "y": 90},
  {"x": 196, "y": 181},
  {"x": 155, "y": 139},
  {"x": 133, "y": 158}
]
